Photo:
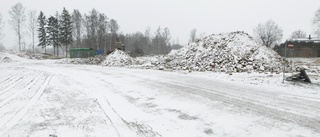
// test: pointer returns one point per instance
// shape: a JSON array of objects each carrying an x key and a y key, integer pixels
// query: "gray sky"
[{"x": 181, "y": 16}]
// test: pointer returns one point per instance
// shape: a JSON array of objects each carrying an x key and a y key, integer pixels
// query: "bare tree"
[
  {"x": 268, "y": 34},
  {"x": 193, "y": 35},
  {"x": 32, "y": 25},
  {"x": 298, "y": 34},
  {"x": 17, "y": 21},
  {"x": 96, "y": 30},
  {"x": 159, "y": 41},
  {"x": 147, "y": 35},
  {"x": 113, "y": 27},
  {"x": 77, "y": 26},
  {"x": 86, "y": 23},
  {"x": 316, "y": 23},
  {"x": 1, "y": 26},
  {"x": 144, "y": 44},
  {"x": 167, "y": 36},
  {"x": 92, "y": 28},
  {"x": 102, "y": 31}
]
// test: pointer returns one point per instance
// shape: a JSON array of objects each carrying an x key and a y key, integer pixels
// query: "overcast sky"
[{"x": 181, "y": 16}]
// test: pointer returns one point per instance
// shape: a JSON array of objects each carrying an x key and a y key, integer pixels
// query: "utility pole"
[{"x": 284, "y": 63}]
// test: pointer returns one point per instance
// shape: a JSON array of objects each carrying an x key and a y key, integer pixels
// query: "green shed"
[{"x": 82, "y": 52}]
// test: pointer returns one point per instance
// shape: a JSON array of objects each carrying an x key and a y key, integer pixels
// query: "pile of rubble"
[
  {"x": 91, "y": 61},
  {"x": 118, "y": 58},
  {"x": 227, "y": 52},
  {"x": 149, "y": 62}
]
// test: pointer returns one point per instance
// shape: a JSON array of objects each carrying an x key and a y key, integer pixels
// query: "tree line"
[
  {"x": 90, "y": 30},
  {"x": 55, "y": 31},
  {"x": 270, "y": 34},
  {"x": 95, "y": 30}
]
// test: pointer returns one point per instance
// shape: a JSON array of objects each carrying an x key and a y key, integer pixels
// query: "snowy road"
[{"x": 39, "y": 98}]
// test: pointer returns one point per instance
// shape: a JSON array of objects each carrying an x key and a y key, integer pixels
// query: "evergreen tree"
[
  {"x": 42, "y": 31},
  {"x": 65, "y": 30},
  {"x": 57, "y": 16},
  {"x": 53, "y": 32}
]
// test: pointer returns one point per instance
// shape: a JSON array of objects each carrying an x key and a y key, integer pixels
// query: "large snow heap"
[
  {"x": 226, "y": 52},
  {"x": 118, "y": 58},
  {"x": 5, "y": 60}
]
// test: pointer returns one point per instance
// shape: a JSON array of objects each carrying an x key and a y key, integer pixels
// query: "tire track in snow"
[
  {"x": 9, "y": 78},
  {"x": 12, "y": 83},
  {"x": 31, "y": 83},
  {"x": 22, "y": 112},
  {"x": 117, "y": 122},
  {"x": 120, "y": 124}
]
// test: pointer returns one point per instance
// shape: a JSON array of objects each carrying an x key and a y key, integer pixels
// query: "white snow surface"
[
  {"x": 41, "y": 98},
  {"x": 9, "y": 58},
  {"x": 93, "y": 61}
]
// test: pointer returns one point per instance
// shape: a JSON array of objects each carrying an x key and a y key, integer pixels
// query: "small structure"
[{"x": 82, "y": 52}]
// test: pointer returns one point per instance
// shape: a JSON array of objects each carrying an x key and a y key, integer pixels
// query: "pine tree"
[
  {"x": 42, "y": 31},
  {"x": 65, "y": 30},
  {"x": 57, "y": 16},
  {"x": 53, "y": 32}
]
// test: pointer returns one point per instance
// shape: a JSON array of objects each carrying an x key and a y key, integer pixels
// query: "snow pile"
[
  {"x": 227, "y": 52},
  {"x": 92, "y": 61},
  {"x": 9, "y": 57},
  {"x": 118, "y": 58},
  {"x": 6, "y": 60}
]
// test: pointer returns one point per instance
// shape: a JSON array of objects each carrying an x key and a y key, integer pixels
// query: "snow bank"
[
  {"x": 6, "y": 60},
  {"x": 9, "y": 58},
  {"x": 118, "y": 58},
  {"x": 227, "y": 52},
  {"x": 148, "y": 62},
  {"x": 92, "y": 61}
]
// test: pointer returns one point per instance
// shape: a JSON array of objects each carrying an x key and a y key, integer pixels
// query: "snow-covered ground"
[{"x": 40, "y": 98}]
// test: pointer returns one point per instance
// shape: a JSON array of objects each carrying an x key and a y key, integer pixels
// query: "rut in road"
[
  {"x": 13, "y": 81},
  {"x": 14, "y": 74},
  {"x": 32, "y": 82},
  {"x": 243, "y": 105},
  {"x": 19, "y": 114},
  {"x": 289, "y": 111}
]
